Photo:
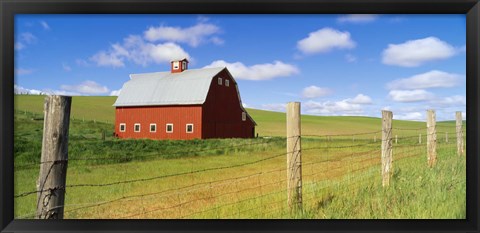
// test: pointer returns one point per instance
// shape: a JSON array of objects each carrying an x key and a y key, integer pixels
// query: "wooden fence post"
[
  {"x": 431, "y": 138},
  {"x": 386, "y": 147},
  {"x": 53, "y": 167},
  {"x": 446, "y": 137},
  {"x": 396, "y": 139},
  {"x": 419, "y": 138},
  {"x": 294, "y": 157},
  {"x": 459, "y": 129}
]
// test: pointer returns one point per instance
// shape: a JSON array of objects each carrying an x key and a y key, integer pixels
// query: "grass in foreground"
[{"x": 340, "y": 181}]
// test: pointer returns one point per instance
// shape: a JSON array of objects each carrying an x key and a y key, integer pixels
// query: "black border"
[{"x": 8, "y": 8}]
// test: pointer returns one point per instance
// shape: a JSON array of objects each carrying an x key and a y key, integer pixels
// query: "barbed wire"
[
  {"x": 175, "y": 189},
  {"x": 163, "y": 176},
  {"x": 361, "y": 164},
  {"x": 337, "y": 135}
]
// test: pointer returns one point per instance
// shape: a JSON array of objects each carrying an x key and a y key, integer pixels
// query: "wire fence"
[{"x": 248, "y": 186}]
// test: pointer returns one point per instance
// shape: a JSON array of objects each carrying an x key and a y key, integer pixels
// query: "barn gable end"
[{"x": 222, "y": 110}]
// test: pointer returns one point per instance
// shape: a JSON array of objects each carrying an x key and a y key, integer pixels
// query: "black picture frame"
[{"x": 8, "y": 9}]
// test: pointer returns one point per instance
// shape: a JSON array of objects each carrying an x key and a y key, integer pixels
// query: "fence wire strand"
[{"x": 345, "y": 167}]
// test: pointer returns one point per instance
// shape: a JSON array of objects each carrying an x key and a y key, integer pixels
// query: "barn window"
[
  {"x": 136, "y": 128},
  {"x": 153, "y": 128},
  {"x": 227, "y": 82},
  {"x": 244, "y": 116},
  {"x": 122, "y": 127},
  {"x": 219, "y": 81},
  {"x": 189, "y": 128},
  {"x": 169, "y": 128}
]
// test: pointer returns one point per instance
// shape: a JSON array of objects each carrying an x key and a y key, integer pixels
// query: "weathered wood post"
[
  {"x": 386, "y": 147},
  {"x": 53, "y": 168},
  {"x": 420, "y": 138},
  {"x": 431, "y": 138},
  {"x": 375, "y": 138},
  {"x": 294, "y": 157},
  {"x": 459, "y": 129},
  {"x": 446, "y": 137},
  {"x": 396, "y": 139}
]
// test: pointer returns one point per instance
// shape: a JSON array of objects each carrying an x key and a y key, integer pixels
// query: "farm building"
[{"x": 182, "y": 104}]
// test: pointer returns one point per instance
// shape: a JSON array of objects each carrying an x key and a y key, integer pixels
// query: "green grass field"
[
  {"x": 241, "y": 178},
  {"x": 99, "y": 108}
]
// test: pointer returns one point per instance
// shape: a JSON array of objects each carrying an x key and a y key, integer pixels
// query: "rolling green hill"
[{"x": 270, "y": 123}]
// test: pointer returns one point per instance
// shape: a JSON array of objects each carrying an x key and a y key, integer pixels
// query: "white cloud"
[
  {"x": 21, "y": 90},
  {"x": 314, "y": 92},
  {"x": 162, "y": 53},
  {"x": 431, "y": 79},
  {"x": 333, "y": 108},
  {"x": 81, "y": 62},
  {"x": 357, "y": 18},
  {"x": 26, "y": 91},
  {"x": 274, "y": 107},
  {"x": 19, "y": 46},
  {"x": 45, "y": 25},
  {"x": 23, "y": 40},
  {"x": 103, "y": 58},
  {"x": 451, "y": 101},
  {"x": 21, "y": 71},
  {"x": 217, "y": 40},
  {"x": 135, "y": 49},
  {"x": 410, "y": 95},
  {"x": 264, "y": 71},
  {"x": 350, "y": 58},
  {"x": 346, "y": 107},
  {"x": 88, "y": 87},
  {"x": 193, "y": 36},
  {"x": 416, "y": 52},
  {"x": 411, "y": 116},
  {"x": 66, "y": 67},
  {"x": 60, "y": 92},
  {"x": 28, "y": 38},
  {"x": 361, "y": 99},
  {"x": 115, "y": 92},
  {"x": 324, "y": 40}
]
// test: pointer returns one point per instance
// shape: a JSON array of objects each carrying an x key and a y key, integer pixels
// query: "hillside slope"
[{"x": 270, "y": 123}]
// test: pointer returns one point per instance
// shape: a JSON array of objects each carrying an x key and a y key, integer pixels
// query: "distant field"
[
  {"x": 270, "y": 123},
  {"x": 88, "y": 107},
  {"x": 241, "y": 178}
]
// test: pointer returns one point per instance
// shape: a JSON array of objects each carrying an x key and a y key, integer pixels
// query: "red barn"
[{"x": 182, "y": 104}]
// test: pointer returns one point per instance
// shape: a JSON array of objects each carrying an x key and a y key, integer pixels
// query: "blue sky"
[{"x": 333, "y": 64}]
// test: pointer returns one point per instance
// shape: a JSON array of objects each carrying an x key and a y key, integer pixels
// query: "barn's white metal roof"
[{"x": 166, "y": 88}]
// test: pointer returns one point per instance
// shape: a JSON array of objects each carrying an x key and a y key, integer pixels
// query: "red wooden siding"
[
  {"x": 222, "y": 115},
  {"x": 179, "y": 115}
]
